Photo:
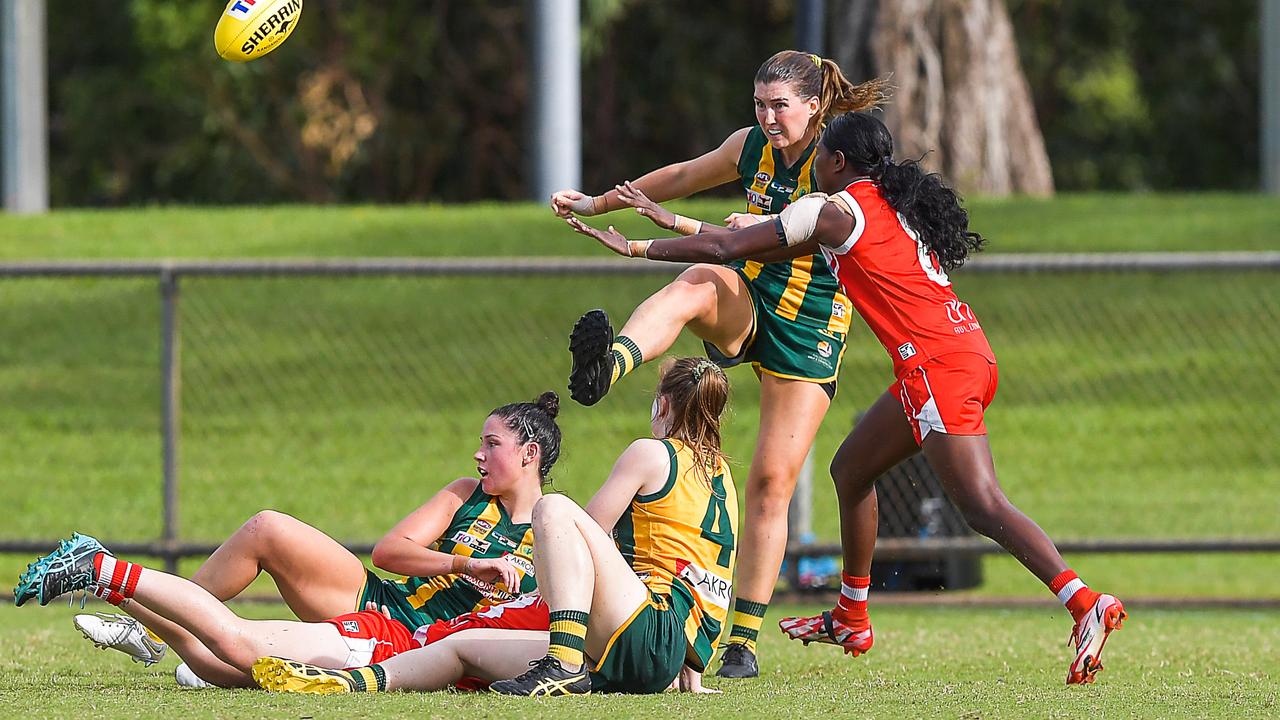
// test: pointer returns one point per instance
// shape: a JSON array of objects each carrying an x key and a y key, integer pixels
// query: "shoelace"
[{"x": 537, "y": 665}]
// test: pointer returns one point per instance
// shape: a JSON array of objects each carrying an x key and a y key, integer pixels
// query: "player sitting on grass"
[
  {"x": 481, "y": 555},
  {"x": 890, "y": 233},
  {"x": 629, "y": 613}
]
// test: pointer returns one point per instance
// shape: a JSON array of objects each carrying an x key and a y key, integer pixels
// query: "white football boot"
[
  {"x": 1090, "y": 634},
  {"x": 187, "y": 678},
  {"x": 123, "y": 633}
]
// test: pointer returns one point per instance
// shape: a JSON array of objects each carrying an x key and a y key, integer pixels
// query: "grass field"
[
  {"x": 957, "y": 663},
  {"x": 304, "y": 394}
]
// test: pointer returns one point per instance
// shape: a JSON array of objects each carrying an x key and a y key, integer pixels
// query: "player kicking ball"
[{"x": 890, "y": 233}]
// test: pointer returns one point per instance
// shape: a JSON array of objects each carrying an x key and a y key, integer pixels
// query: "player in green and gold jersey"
[
  {"x": 466, "y": 549},
  {"x": 629, "y": 612},
  {"x": 787, "y": 318}
]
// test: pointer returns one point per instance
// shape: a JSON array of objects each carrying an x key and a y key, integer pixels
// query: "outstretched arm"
[
  {"x": 791, "y": 234},
  {"x": 673, "y": 181}
]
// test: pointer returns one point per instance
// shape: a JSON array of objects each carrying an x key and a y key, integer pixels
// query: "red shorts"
[
  {"x": 948, "y": 394},
  {"x": 371, "y": 637},
  {"x": 527, "y": 612}
]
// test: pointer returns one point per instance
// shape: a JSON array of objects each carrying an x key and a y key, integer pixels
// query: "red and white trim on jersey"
[{"x": 844, "y": 200}]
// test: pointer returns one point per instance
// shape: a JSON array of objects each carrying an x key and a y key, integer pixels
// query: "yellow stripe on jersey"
[
  {"x": 804, "y": 183},
  {"x": 840, "y": 314},
  {"x": 798, "y": 282},
  {"x": 764, "y": 176}
]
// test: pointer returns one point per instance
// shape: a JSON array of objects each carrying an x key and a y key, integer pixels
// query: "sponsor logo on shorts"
[
  {"x": 709, "y": 586},
  {"x": 838, "y": 310},
  {"x": 824, "y": 348},
  {"x": 906, "y": 350},
  {"x": 471, "y": 541},
  {"x": 351, "y": 626}
]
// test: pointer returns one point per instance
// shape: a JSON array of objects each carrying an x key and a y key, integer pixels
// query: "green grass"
[
  {"x": 1068, "y": 223},
  {"x": 1130, "y": 405},
  {"x": 963, "y": 663}
]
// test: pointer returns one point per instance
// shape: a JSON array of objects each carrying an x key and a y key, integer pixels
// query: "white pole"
[
  {"x": 557, "y": 98},
  {"x": 1270, "y": 89},
  {"x": 809, "y": 26},
  {"x": 25, "y": 123}
]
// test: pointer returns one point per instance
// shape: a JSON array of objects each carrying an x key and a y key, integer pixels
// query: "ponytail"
[
  {"x": 929, "y": 206},
  {"x": 698, "y": 391}
]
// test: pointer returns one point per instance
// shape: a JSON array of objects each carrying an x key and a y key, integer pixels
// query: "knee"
[
  {"x": 849, "y": 477},
  {"x": 694, "y": 289},
  {"x": 770, "y": 489},
  {"x": 232, "y": 649},
  {"x": 986, "y": 512},
  {"x": 553, "y": 509},
  {"x": 264, "y": 530}
]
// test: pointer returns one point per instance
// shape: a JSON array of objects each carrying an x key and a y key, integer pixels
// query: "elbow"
[{"x": 383, "y": 554}]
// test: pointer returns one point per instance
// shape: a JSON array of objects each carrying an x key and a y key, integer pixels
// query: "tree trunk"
[{"x": 961, "y": 98}]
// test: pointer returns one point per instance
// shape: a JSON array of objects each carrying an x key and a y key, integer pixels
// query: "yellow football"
[{"x": 249, "y": 29}]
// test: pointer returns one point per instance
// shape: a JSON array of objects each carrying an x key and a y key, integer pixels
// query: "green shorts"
[
  {"x": 647, "y": 652},
  {"x": 445, "y": 604},
  {"x": 785, "y": 348}
]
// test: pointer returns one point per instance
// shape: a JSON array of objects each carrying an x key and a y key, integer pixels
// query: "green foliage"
[
  {"x": 1144, "y": 95},
  {"x": 427, "y": 99}
]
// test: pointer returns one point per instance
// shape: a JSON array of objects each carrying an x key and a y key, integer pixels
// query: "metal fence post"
[{"x": 170, "y": 408}]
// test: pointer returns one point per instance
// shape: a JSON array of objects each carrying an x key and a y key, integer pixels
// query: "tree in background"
[
  {"x": 416, "y": 100},
  {"x": 962, "y": 101}
]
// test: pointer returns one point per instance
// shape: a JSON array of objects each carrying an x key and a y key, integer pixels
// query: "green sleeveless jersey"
[
  {"x": 802, "y": 290},
  {"x": 481, "y": 529}
]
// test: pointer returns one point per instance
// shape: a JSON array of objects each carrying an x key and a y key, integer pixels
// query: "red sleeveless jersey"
[{"x": 897, "y": 286}]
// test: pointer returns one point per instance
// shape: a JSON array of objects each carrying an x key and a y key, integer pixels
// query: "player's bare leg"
[
  {"x": 710, "y": 300},
  {"x": 198, "y": 658},
  {"x": 483, "y": 653},
  {"x": 590, "y": 590},
  {"x": 317, "y": 577},
  {"x": 880, "y": 440},
  {"x": 791, "y": 411},
  {"x": 967, "y": 471}
]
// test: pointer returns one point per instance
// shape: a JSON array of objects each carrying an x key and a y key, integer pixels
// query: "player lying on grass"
[
  {"x": 629, "y": 612},
  {"x": 891, "y": 232},
  {"x": 770, "y": 315},
  {"x": 467, "y": 549}
]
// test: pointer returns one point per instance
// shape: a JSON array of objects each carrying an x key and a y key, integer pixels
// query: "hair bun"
[{"x": 550, "y": 403}]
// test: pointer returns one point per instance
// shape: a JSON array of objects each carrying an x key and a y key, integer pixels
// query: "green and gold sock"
[
  {"x": 748, "y": 615},
  {"x": 371, "y": 678},
  {"x": 568, "y": 636},
  {"x": 626, "y": 357}
]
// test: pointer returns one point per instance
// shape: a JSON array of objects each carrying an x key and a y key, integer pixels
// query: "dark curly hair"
[
  {"x": 930, "y": 208},
  {"x": 536, "y": 422}
]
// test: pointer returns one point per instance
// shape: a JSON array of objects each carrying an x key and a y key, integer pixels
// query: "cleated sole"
[{"x": 589, "y": 343}]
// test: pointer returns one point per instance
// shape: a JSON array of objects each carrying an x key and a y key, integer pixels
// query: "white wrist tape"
[{"x": 801, "y": 217}]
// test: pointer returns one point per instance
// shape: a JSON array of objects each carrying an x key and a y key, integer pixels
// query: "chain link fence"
[{"x": 346, "y": 393}]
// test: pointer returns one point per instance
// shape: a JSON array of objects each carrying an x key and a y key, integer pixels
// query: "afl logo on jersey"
[
  {"x": 481, "y": 525},
  {"x": 763, "y": 178}
]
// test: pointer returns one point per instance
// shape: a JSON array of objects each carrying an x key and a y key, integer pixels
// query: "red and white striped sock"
[
  {"x": 115, "y": 575},
  {"x": 851, "y": 609},
  {"x": 1073, "y": 593},
  {"x": 108, "y": 594}
]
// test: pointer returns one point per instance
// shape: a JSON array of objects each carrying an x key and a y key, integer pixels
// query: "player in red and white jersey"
[{"x": 891, "y": 232}]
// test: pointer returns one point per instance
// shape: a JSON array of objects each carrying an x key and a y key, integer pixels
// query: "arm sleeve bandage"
[{"x": 801, "y": 217}]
